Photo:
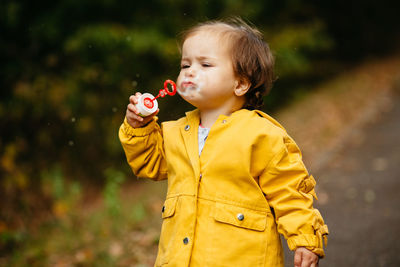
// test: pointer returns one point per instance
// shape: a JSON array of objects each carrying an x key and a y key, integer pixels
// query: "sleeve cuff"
[
  {"x": 315, "y": 243},
  {"x": 142, "y": 131}
]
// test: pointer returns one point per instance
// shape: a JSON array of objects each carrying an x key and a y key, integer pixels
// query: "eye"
[
  {"x": 206, "y": 64},
  {"x": 185, "y": 66}
]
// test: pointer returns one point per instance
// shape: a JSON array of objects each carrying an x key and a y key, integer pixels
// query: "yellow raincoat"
[{"x": 226, "y": 207}]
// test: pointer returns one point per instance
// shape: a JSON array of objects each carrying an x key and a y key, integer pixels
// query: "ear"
[{"x": 242, "y": 86}]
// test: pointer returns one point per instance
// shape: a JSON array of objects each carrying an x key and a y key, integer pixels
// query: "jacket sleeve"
[
  {"x": 144, "y": 150},
  {"x": 289, "y": 190}
]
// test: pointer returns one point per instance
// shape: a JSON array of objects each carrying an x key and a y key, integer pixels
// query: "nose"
[{"x": 190, "y": 72}]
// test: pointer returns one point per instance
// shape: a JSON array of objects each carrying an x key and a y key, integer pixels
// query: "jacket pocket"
[
  {"x": 168, "y": 209},
  {"x": 235, "y": 231},
  {"x": 240, "y": 217}
]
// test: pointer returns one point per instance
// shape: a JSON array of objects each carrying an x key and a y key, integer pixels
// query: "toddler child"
[{"x": 236, "y": 180}]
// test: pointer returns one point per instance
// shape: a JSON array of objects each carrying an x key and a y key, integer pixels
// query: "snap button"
[
  {"x": 163, "y": 209},
  {"x": 187, "y": 127},
  {"x": 240, "y": 217},
  {"x": 224, "y": 121},
  {"x": 185, "y": 240}
]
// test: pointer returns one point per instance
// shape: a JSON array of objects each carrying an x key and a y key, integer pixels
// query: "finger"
[
  {"x": 305, "y": 262},
  {"x": 133, "y": 117},
  {"x": 297, "y": 258},
  {"x": 134, "y": 99},
  {"x": 316, "y": 262},
  {"x": 146, "y": 121},
  {"x": 132, "y": 108}
]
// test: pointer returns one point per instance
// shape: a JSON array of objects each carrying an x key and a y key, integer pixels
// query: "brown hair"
[{"x": 251, "y": 57}]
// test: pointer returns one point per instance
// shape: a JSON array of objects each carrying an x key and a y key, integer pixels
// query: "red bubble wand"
[{"x": 147, "y": 102}]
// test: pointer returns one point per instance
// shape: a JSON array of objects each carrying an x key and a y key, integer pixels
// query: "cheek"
[
  {"x": 179, "y": 77},
  {"x": 201, "y": 78}
]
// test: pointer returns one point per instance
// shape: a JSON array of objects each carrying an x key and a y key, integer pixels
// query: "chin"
[
  {"x": 191, "y": 100},
  {"x": 187, "y": 96}
]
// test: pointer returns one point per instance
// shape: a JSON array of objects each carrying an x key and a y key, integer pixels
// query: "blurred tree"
[{"x": 360, "y": 28}]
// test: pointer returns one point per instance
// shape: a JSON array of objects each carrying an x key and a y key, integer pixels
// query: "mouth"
[
  {"x": 187, "y": 84},
  {"x": 188, "y": 88}
]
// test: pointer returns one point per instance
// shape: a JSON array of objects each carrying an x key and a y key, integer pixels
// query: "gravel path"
[{"x": 359, "y": 196}]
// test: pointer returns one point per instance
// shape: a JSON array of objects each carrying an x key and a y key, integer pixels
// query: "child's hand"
[
  {"x": 132, "y": 113},
  {"x": 305, "y": 258}
]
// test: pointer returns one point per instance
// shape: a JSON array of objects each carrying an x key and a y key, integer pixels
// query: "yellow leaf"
[{"x": 60, "y": 209}]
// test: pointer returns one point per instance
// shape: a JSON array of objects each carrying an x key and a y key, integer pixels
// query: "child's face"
[{"x": 207, "y": 79}]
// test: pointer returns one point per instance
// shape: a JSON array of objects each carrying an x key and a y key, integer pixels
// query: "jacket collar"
[
  {"x": 272, "y": 120},
  {"x": 193, "y": 116}
]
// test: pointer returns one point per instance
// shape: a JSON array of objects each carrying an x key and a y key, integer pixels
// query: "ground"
[
  {"x": 358, "y": 187},
  {"x": 359, "y": 196}
]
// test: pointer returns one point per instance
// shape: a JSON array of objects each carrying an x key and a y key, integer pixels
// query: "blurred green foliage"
[
  {"x": 112, "y": 190},
  {"x": 68, "y": 67},
  {"x": 109, "y": 233}
]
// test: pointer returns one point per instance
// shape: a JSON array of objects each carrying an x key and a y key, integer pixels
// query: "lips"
[{"x": 187, "y": 84}]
